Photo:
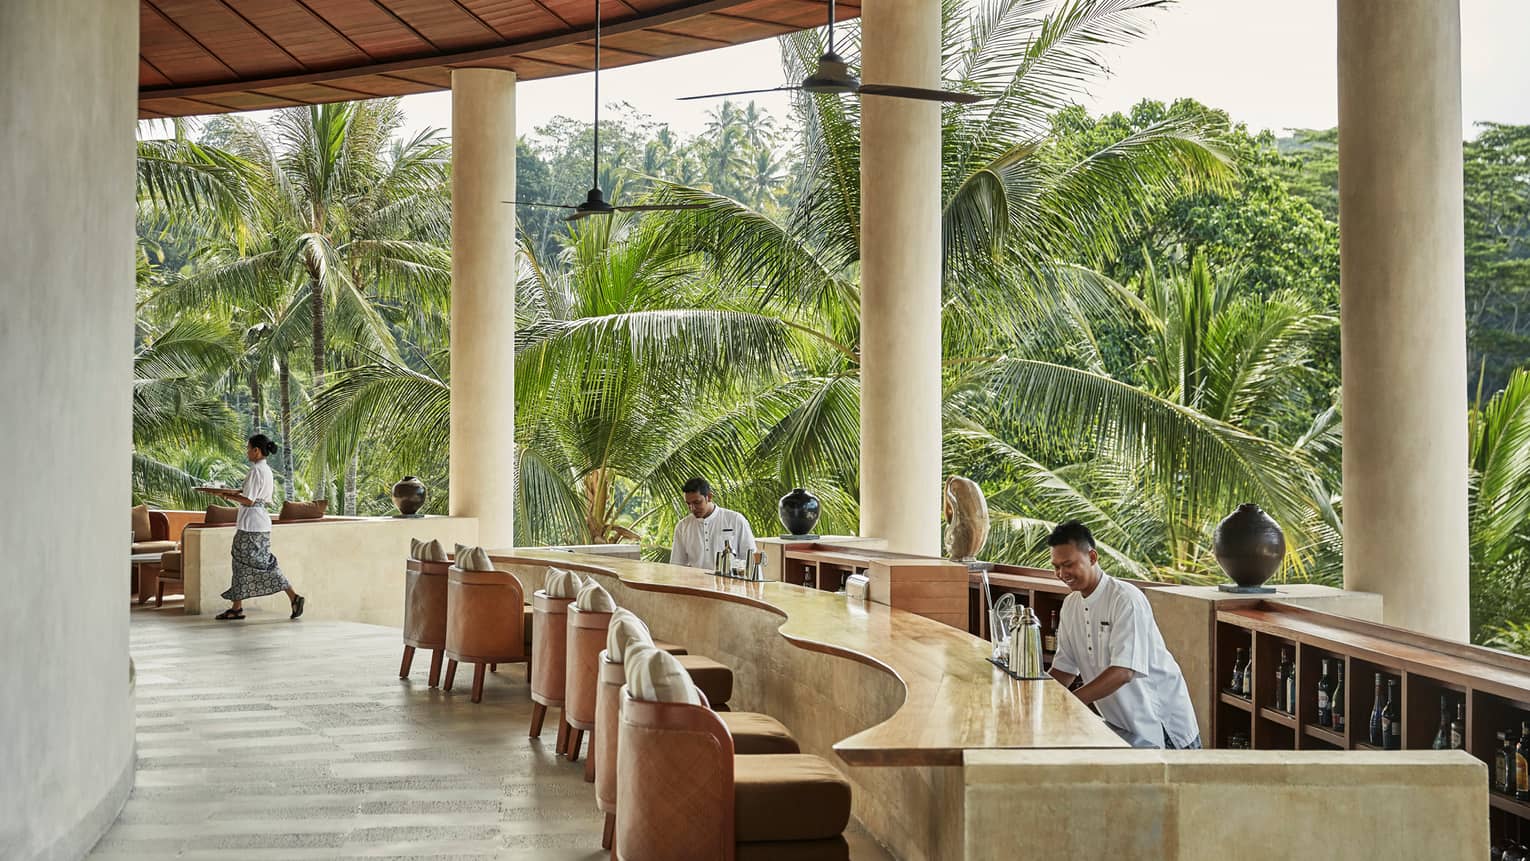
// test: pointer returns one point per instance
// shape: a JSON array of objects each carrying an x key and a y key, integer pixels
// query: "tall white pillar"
[
  {"x": 483, "y": 302},
  {"x": 900, "y": 279},
  {"x": 67, "y": 108},
  {"x": 1404, "y": 310}
]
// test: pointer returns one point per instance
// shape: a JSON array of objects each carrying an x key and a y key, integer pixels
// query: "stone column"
[
  {"x": 1404, "y": 310},
  {"x": 900, "y": 279},
  {"x": 483, "y": 302}
]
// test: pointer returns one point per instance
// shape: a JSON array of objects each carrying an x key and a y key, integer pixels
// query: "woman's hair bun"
[{"x": 264, "y": 443}]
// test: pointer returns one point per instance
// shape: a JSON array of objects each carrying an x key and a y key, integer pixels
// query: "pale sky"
[{"x": 1269, "y": 63}]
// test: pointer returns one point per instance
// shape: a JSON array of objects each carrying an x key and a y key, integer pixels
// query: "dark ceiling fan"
[
  {"x": 833, "y": 76},
  {"x": 595, "y": 199}
]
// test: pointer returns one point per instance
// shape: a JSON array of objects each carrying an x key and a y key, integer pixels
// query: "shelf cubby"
[{"x": 1493, "y": 688}]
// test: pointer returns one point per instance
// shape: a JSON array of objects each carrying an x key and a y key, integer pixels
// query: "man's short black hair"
[
  {"x": 1073, "y": 532},
  {"x": 697, "y": 485}
]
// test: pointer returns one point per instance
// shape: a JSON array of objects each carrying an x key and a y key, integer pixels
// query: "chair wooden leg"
[
  {"x": 435, "y": 667},
  {"x": 562, "y": 744},
  {"x": 403, "y": 669},
  {"x": 589, "y": 761},
  {"x": 494, "y": 668},
  {"x": 607, "y": 837},
  {"x": 538, "y": 714},
  {"x": 451, "y": 674},
  {"x": 478, "y": 682},
  {"x": 575, "y": 741},
  {"x": 159, "y": 596}
]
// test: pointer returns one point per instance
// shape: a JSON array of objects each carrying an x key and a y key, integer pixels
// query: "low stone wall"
[
  {"x": 349, "y": 569},
  {"x": 1249, "y": 805}
]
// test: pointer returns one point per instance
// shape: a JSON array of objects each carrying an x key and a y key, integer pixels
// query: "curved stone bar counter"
[{"x": 891, "y": 697}]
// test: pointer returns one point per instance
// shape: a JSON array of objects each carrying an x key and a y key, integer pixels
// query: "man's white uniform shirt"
[
  {"x": 1114, "y": 627},
  {"x": 698, "y": 540}
]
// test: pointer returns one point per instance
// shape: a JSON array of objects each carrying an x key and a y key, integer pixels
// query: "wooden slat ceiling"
[{"x": 215, "y": 56}]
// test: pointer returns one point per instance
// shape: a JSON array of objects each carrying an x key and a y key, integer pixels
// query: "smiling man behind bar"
[{"x": 1108, "y": 637}]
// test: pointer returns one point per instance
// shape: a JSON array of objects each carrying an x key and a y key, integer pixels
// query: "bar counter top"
[{"x": 955, "y": 700}]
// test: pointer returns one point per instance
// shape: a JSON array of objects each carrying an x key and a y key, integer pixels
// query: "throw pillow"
[
  {"x": 142, "y": 530},
  {"x": 217, "y": 514},
  {"x": 656, "y": 676},
  {"x": 475, "y": 559},
  {"x": 415, "y": 545},
  {"x": 432, "y": 551},
  {"x": 593, "y": 599},
  {"x": 303, "y": 510},
  {"x": 562, "y": 584},
  {"x": 626, "y": 628}
]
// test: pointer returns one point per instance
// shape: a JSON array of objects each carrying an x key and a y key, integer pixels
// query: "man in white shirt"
[
  {"x": 1107, "y": 637},
  {"x": 698, "y": 538}
]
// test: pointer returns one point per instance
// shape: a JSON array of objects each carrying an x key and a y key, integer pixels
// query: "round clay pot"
[
  {"x": 799, "y": 512},
  {"x": 409, "y": 495},
  {"x": 1249, "y": 546}
]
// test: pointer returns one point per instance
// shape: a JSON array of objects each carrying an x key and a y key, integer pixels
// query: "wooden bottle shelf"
[
  {"x": 1278, "y": 717},
  {"x": 1236, "y": 701},
  {"x": 1509, "y": 804},
  {"x": 1323, "y": 733}
]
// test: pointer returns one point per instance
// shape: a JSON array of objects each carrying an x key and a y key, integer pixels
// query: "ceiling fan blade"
[
  {"x": 739, "y": 93},
  {"x": 661, "y": 207},
  {"x": 579, "y": 214},
  {"x": 535, "y": 203},
  {"x": 898, "y": 92}
]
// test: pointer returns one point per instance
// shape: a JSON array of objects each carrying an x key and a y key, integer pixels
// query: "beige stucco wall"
[
  {"x": 347, "y": 569},
  {"x": 1211, "y": 805},
  {"x": 1187, "y": 616},
  {"x": 68, "y": 70}
]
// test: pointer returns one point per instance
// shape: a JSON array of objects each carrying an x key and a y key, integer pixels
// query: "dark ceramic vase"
[
  {"x": 1249, "y": 546},
  {"x": 799, "y": 512},
  {"x": 409, "y": 495}
]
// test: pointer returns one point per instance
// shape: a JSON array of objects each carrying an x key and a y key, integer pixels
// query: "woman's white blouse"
[{"x": 259, "y": 486}]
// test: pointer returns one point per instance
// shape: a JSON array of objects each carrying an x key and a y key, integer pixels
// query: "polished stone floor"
[{"x": 272, "y": 739}]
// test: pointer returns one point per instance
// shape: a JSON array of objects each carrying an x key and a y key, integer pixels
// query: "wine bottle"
[
  {"x": 1049, "y": 639},
  {"x": 1237, "y": 673},
  {"x": 1248, "y": 676},
  {"x": 1336, "y": 701},
  {"x": 1378, "y": 733},
  {"x": 1290, "y": 687},
  {"x": 1392, "y": 717},
  {"x": 1503, "y": 763},
  {"x": 1325, "y": 697},
  {"x": 1522, "y": 763},
  {"x": 1458, "y": 728},
  {"x": 1442, "y": 734}
]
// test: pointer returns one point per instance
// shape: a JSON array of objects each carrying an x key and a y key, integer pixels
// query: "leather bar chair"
[
  {"x": 586, "y": 641},
  {"x": 686, "y": 796},
  {"x": 549, "y": 657},
  {"x": 424, "y": 614},
  {"x": 484, "y": 623},
  {"x": 169, "y": 575},
  {"x": 753, "y": 734}
]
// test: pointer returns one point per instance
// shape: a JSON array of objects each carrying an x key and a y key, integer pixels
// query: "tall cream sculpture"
[{"x": 966, "y": 519}]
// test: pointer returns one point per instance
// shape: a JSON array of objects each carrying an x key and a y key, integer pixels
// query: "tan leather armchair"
[
  {"x": 424, "y": 614},
  {"x": 549, "y": 655},
  {"x": 586, "y": 640},
  {"x": 685, "y": 796},
  {"x": 753, "y": 734},
  {"x": 485, "y": 623}
]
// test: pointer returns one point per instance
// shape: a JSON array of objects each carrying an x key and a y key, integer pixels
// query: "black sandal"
[
  {"x": 230, "y": 613},
  {"x": 297, "y": 607}
]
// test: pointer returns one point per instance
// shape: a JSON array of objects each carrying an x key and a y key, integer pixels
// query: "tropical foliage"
[{"x": 1139, "y": 313}]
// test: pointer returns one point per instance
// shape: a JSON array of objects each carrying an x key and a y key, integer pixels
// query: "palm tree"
[
  {"x": 615, "y": 369},
  {"x": 349, "y": 221},
  {"x": 1500, "y": 512},
  {"x": 1216, "y": 369},
  {"x": 1019, "y": 216},
  {"x": 177, "y": 408}
]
